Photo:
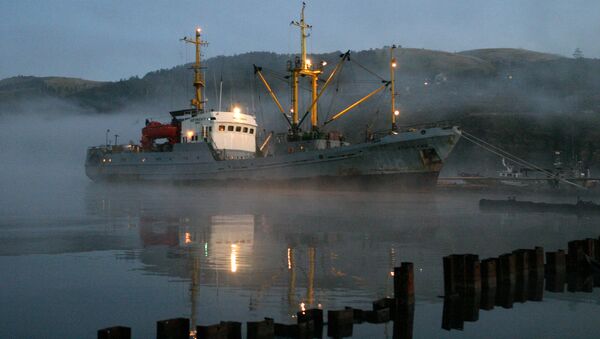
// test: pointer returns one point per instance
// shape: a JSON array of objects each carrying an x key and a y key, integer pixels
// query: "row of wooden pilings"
[
  {"x": 519, "y": 276},
  {"x": 310, "y": 323}
]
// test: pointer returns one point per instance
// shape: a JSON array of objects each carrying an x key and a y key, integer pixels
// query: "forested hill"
[{"x": 486, "y": 80}]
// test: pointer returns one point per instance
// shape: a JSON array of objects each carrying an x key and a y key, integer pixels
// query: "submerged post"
[
  {"x": 116, "y": 332},
  {"x": 178, "y": 328}
]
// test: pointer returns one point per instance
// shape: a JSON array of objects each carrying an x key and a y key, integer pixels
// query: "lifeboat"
[{"x": 155, "y": 130}]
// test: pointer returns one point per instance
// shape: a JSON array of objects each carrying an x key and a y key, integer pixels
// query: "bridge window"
[
  {"x": 221, "y": 128},
  {"x": 230, "y": 128},
  {"x": 245, "y": 129},
  {"x": 238, "y": 128},
  {"x": 252, "y": 131}
]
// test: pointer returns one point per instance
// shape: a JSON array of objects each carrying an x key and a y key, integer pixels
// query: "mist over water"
[{"x": 80, "y": 256}]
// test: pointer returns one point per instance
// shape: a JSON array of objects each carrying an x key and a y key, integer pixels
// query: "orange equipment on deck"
[{"x": 155, "y": 130}]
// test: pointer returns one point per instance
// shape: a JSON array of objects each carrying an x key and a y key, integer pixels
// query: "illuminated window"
[
  {"x": 221, "y": 128},
  {"x": 245, "y": 129},
  {"x": 252, "y": 131},
  {"x": 238, "y": 128},
  {"x": 230, "y": 128}
]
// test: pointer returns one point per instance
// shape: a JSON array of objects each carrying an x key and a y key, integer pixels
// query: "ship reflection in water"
[
  {"x": 220, "y": 250},
  {"x": 134, "y": 255}
]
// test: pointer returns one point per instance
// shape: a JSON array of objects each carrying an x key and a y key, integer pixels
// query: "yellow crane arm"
[
  {"x": 257, "y": 70},
  {"x": 345, "y": 56},
  {"x": 365, "y": 98}
]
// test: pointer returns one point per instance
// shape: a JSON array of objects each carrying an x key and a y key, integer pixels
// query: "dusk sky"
[{"x": 114, "y": 39}]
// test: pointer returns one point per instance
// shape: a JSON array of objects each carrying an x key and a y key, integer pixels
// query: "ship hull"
[{"x": 410, "y": 159}]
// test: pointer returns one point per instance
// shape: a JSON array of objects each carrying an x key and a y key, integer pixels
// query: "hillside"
[
  {"x": 482, "y": 80},
  {"x": 510, "y": 56},
  {"x": 22, "y": 87}
]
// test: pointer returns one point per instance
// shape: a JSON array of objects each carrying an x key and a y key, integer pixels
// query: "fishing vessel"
[{"x": 213, "y": 145}]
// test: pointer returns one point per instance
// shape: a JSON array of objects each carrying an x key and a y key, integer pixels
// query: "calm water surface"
[{"x": 76, "y": 257}]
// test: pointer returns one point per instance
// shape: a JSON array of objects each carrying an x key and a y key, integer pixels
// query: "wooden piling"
[
  {"x": 536, "y": 260},
  {"x": 488, "y": 273},
  {"x": 556, "y": 262},
  {"x": 536, "y": 287},
  {"x": 233, "y": 329},
  {"x": 452, "y": 313},
  {"x": 505, "y": 294},
  {"x": 115, "y": 332},
  {"x": 488, "y": 298},
  {"x": 260, "y": 329},
  {"x": 389, "y": 303},
  {"x": 404, "y": 288},
  {"x": 506, "y": 278},
  {"x": 522, "y": 274},
  {"x": 575, "y": 255},
  {"x": 340, "y": 323},
  {"x": 472, "y": 275},
  {"x": 359, "y": 315},
  {"x": 470, "y": 307},
  {"x": 555, "y": 282},
  {"x": 505, "y": 271},
  {"x": 217, "y": 331},
  {"x": 536, "y": 274},
  {"x": 291, "y": 330},
  {"x": 177, "y": 328},
  {"x": 403, "y": 322},
  {"x": 378, "y": 316},
  {"x": 314, "y": 314},
  {"x": 521, "y": 262},
  {"x": 450, "y": 287},
  {"x": 589, "y": 247}
]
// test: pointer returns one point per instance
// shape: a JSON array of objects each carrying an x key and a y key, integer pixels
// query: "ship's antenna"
[
  {"x": 393, "y": 65},
  {"x": 220, "y": 92},
  {"x": 198, "y": 102}
]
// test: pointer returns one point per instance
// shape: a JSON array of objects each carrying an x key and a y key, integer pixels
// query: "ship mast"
[
  {"x": 393, "y": 65},
  {"x": 198, "y": 101},
  {"x": 303, "y": 67}
]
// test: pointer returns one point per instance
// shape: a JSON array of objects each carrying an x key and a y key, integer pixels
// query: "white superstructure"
[{"x": 228, "y": 131}]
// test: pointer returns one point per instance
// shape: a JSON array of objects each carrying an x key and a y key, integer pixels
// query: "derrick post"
[
  {"x": 295, "y": 81},
  {"x": 314, "y": 118},
  {"x": 392, "y": 88}
]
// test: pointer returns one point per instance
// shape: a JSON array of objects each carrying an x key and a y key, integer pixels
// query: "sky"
[{"x": 117, "y": 39}]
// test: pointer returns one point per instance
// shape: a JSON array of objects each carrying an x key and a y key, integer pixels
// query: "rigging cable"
[
  {"x": 504, "y": 154},
  {"x": 368, "y": 70}
]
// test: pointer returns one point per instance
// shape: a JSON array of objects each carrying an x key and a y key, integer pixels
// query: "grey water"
[{"x": 76, "y": 257}]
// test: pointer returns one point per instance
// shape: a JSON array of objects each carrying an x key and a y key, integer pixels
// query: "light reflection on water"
[{"x": 225, "y": 254}]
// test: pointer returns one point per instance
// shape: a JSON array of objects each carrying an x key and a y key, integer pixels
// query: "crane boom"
[{"x": 360, "y": 101}]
